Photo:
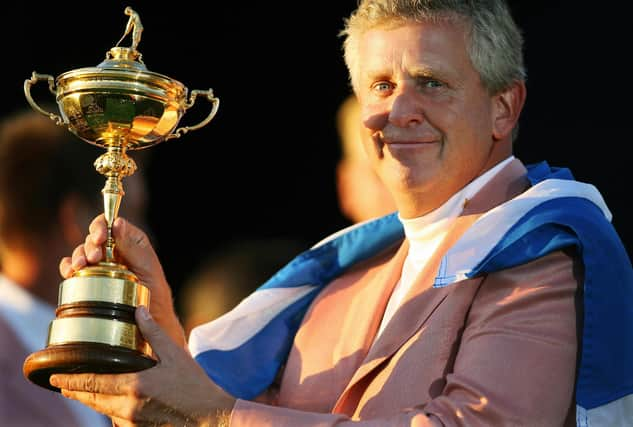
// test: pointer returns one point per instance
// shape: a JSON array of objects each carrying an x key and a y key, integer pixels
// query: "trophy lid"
[
  {"x": 124, "y": 64},
  {"x": 123, "y": 69}
]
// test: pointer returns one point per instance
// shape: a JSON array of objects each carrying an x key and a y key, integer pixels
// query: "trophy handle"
[
  {"x": 35, "y": 77},
  {"x": 192, "y": 100}
]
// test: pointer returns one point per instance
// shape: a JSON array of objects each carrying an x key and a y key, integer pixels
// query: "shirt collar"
[{"x": 28, "y": 315}]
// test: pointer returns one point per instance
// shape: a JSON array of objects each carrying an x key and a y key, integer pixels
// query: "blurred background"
[{"x": 264, "y": 167}]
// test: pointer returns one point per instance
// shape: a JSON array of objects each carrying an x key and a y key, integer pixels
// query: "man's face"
[{"x": 428, "y": 120}]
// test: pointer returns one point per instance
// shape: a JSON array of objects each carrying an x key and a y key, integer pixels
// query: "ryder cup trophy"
[{"x": 120, "y": 106}]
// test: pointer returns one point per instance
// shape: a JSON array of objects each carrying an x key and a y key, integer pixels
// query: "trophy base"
[
  {"x": 94, "y": 329},
  {"x": 82, "y": 358}
]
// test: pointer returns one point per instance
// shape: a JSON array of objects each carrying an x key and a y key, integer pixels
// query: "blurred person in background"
[
  {"x": 361, "y": 193},
  {"x": 49, "y": 192},
  {"x": 230, "y": 273}
]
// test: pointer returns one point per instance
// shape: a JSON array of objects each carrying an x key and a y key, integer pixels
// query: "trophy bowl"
[
  {"x": 118, "y": 105},
  {"x": 120, "y": 100}
]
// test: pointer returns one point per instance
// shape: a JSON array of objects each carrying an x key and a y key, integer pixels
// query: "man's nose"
[
  {"x": 402, "y": 111},
  {"x": 405, "y": 110}
]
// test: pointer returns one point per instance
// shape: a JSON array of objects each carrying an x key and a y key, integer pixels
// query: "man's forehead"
[{"x": 421, "y": 49}]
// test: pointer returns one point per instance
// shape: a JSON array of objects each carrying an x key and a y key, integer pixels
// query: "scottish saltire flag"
[{"x": 243, "y": 350}]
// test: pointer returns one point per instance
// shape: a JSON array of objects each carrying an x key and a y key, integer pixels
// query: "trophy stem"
[
  {"x": 112, "y": 195},
  {"x": 114, "y": 165}
]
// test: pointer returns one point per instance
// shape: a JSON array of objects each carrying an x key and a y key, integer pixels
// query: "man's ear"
[{"x": 507, "y": 107}]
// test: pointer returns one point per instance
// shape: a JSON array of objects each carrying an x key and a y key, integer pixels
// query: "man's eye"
[
  {"x": 427, "y": 83},
  {"x": 382, "y": 86}
]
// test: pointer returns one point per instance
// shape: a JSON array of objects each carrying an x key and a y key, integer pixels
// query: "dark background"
[{"x": 264, "y": 167}]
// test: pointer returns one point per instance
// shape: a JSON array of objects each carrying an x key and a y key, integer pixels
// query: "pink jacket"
[{"x": 497, "y": 350}]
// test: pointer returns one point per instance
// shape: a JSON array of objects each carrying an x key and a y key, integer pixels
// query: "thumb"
[
  {"x": 161, "y": 344},
  {"x": 134, "y": 246},
  {"x": 138, "y": 255}
]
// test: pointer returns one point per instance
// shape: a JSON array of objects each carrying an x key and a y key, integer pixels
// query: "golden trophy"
[{"x": 118, "y": 105}]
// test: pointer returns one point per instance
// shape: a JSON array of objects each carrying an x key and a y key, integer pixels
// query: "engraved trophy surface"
[{"x": 118, "y": 105}]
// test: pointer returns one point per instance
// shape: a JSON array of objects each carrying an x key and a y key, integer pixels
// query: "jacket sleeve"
[{"x": 516, "y": 364}]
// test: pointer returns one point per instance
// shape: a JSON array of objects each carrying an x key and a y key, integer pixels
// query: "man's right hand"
[{"x": 133, "y": 249}]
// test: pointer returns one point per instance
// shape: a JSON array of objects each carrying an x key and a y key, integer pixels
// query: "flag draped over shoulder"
[{"x": 243, "y": 350}]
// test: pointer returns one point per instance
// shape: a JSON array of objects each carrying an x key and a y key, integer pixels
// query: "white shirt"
[
  {"x": 29, "y": 318},
  {"x": 425, "y": 233}
]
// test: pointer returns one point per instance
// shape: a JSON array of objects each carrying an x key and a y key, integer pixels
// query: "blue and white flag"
[{"x": 243, "y": 350}]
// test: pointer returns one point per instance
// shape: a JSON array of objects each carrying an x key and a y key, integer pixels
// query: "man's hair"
[
  {"x": 495, "y": 42},
  {"x": 40, "y": 165}
]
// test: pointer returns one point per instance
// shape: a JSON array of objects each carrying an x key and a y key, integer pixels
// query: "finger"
[
  {"x": 93, "y": 252},
  {"x": 111, "y": 384},
  {"x": 126, "y": 410},
  {"x": 162, "y": 345},
  {"x": 65, "y": 267},
  {"x": 98, "y": 230},
  {"x": 79, "y": 258},
  {"x": 119, "y": 408}
]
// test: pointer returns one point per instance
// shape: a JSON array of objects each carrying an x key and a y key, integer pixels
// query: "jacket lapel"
[{"x": 377, "y": 290}]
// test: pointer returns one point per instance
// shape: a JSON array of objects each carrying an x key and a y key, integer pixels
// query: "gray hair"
[{"x": 495, "y": 41}]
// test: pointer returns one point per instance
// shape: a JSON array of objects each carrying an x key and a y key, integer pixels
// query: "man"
[{"x": 498, "y": 295}]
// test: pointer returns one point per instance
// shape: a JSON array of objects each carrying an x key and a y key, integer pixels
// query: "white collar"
[
  {"x": 418, "y": 230},
  {"x": 28, "y": 315}
]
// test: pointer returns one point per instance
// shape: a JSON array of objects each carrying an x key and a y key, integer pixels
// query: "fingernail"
[{"x": 144, "y": 313}]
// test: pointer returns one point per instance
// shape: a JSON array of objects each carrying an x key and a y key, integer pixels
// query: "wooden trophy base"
[{"x": 82, "y": 358}]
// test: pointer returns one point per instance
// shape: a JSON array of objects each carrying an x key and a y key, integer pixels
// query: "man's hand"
[
  {"x": 134, "y": 249},
  {"x": 175, "y": 392}
]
